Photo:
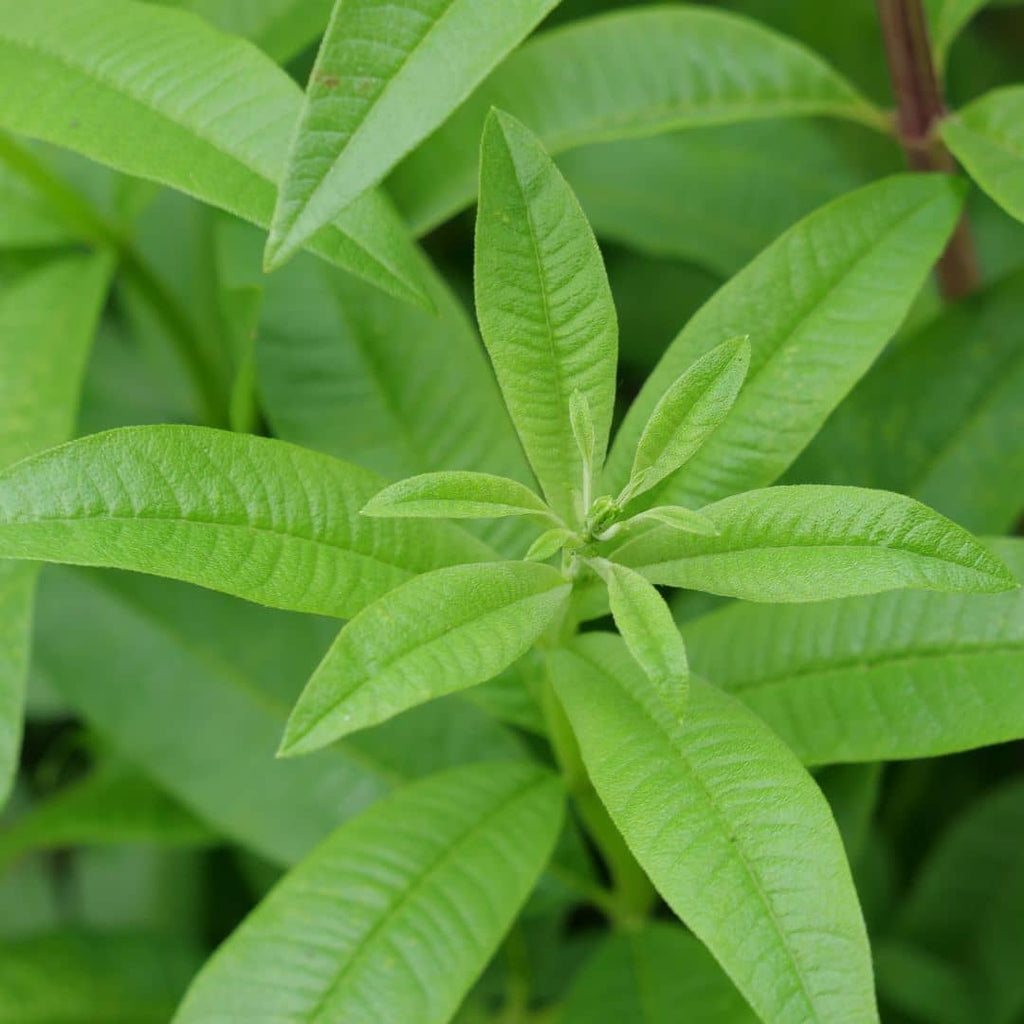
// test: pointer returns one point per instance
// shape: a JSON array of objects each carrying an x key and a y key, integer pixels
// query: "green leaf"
[
  {"x": 649, "y": 632},
  {"x": 385, "y": 77},
  {"x": 395, "y": 941},
  {"x": 77, "y": 76},
  {"x": 812, "y": 334},
  {"x": 688, "y": 413},
  {"x": 544, "y": 306},
  {"x": 987, "y": 137},
  {"x": 27, "y": 221},
  {"x": 731, "y": 830},
  {"x": 650, "y": 977},
  {"x": 549, "y": 543},
  {"x": 47, "y": 319},
  {"x": 946, "y": 19},
  {"x": 582, "y": 423},
  {"x": 195, "y": 689},
  {"x": 924, "y": 986},
  {"x": 436, "y": 634},
  {"x": 455, "y": 495},
  {"x": 901, "y": 675},
  {"x": 677, "y": 518},
  {"x": 253, "y": 517},
  {"x": 812, "y": 543},
  {"x": 627, "y": 74}
]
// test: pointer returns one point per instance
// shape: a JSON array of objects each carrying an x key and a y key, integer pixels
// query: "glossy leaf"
[
  {"x": 385, "y": 77},
  {"x": 544, "y": 305},
  {"x": 732, "y": 831},
  {"x": 400, "y": 939},
  {"x": 621, "y": 75},
  {"x": 195, "y": 688},
  {"x": 689, "y": 412},
  {"x": 76, "y": 76},
  {"x": 47, "y": 319},
  {"x": 455, "y": 495},
  {"x": 813, "y": 543},
  {"x": 876, "y": 678},
  {"x": 249, "y": 516},
  {"x": 582, "y": 422},
  {"x": 987, "y": 137},
  {"x": 438, "y": 633},
  {"x": 812, "y": 334}
]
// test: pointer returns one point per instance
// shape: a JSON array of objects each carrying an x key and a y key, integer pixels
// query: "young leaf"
[
  {"x": 879, "y": 678},
  {"x": 548, "y": 543},
  {"x": 648, "y": 976},
  {"x": 634, "y": 73},
  {"x": 731, "y": 830},
  {"x": 436, "y": 634},
  {"x": 812, "y": 333},
  {"x": 249, "y": 516},
  {"x": 544, "y": 305},
  {"x": 649, "y": 632},
  {"x": 400, "y": 940},
  {"x": 688, "y": 413},
  {"x": 455, "y": 495},
  {"x": 678, "y": 518},
  {"x": 813, "y": 543},
  {"x": 582, "y": 423},
  {"x": 385, "y": 77},
  {"x": 987, "y": 137},
  {"x": 78, "y": 75},
  {"x": 47, "y": 319}
]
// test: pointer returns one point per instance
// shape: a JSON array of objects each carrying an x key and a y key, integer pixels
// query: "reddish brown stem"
[{"x": 920, "y": 107}]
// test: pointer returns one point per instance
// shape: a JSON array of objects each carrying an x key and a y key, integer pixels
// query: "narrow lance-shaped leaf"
[
  {"x": 678, "y": 518},
  {"x": 987, "y": 137},
  {"x": 812, "y": 543},
  {"x": 77, "y": 75},
  {"x": 627, "y": 74},
  {"x": 549, "y": 543},
  {"x": 812, "y": 334},
  {"x": 455, "y": 495},
  {"x": 732, "y": 831},
  {"x": 880, "y": 678},
  {"x": 396, "y": 941},
  {"x": 436, "y": 634},
  {"x": 250, "y": 516},
  {"x": 689, "y": 413},
  {"x": 385, "y": 77},
  {"x": 544, "y": 306}
]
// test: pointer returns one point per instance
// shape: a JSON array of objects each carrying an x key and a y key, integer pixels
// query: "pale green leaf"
[
  {"x": 678, "y": 518},
  {"x": 386, "y": 76},
  {"x": 195, "y": 688},
  {"x": 647, "y": 627},
  {"x": 688, "y": 413},
  {"x": 987, "y": 137},
  {"x": 627, "y": 74},
  {"x": 47, "y": 319},
  {"x": 438, "y": 633},
  {"x": 78, "y": 75},
  {"x": 549, "y": 543},
  {"x": 812, "y": 333},
  {"x": 455, "y": 494},
  {"x": 250, "y": 516},
  {"x": 400, "y": 939},
  {"x": 946, "y": 20},
  {"x": 901, "y": 675},
  {"x": 544, "y": 306},
  {"x": 732, "y": 831},
  {"x": 582, "y": 423},
  {"x": 812, "y": 543}
]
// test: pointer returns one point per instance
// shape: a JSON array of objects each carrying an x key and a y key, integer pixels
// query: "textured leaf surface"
[
  {"x": 987, "y": 137},
  {"x": 47, "y": 319},
  {"x": 395, "y": 939},
  {"x": 622, "y": 75},
  {"x": 253, "y": 517},
  {"x": 731, "y": 830},
  {"x": 385, "y": 77},
  {"x": 812, "y": 334},
  {"x": 544, "y": 305},
  {"x": 455, "y": 495},
  {"x": 678, "y": 518},
  {"x": 811, "y": 543},
  {"x": 878, "y": 678},
  {"x": 77, "y": 75},
  {"x": 436, "y": 634},
  {"x": 195, "y": 688},
  {"x": 650, "y": 977}
]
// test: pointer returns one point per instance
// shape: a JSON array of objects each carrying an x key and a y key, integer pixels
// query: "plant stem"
[{"x": 920, "y": 107}]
